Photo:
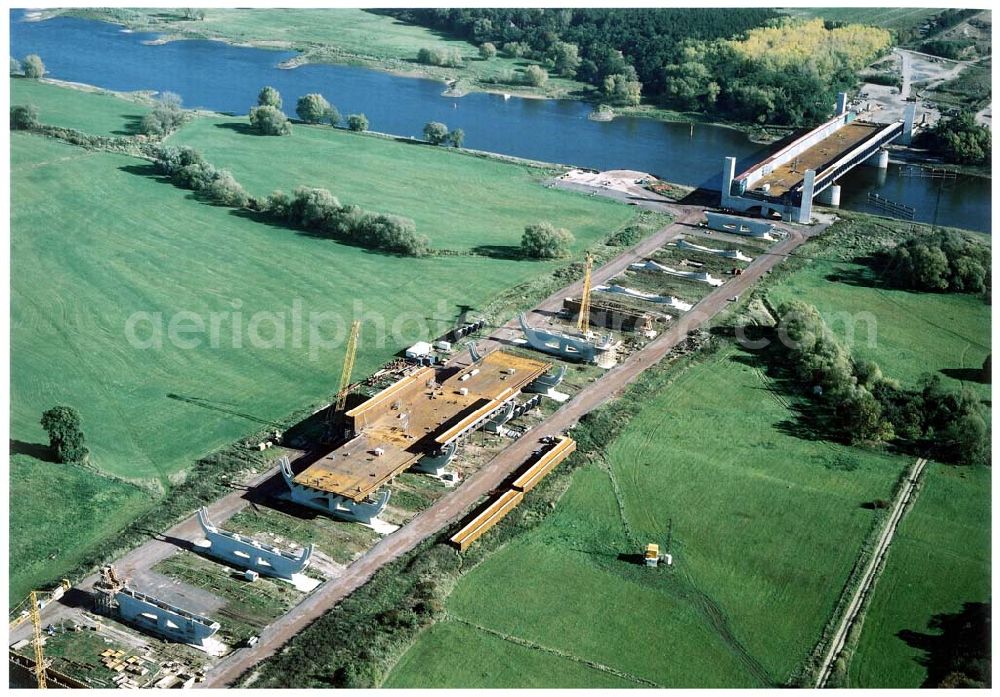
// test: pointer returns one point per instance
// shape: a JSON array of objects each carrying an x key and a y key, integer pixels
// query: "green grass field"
[
  {"x": 766, "y": 527},
  {"x": 95, "y": 239},
  {"x": 907, "y": 333},
  {"x": 88, "y": 111},
  {"x": 151, "y": 248},
  {"x": 341, "y": 35},
  {"x": 56, "y": 512},
  {"x": 497, "y": 663},
  {"x": 459, "y": 201},
  {"x": 939, "y": 560}
]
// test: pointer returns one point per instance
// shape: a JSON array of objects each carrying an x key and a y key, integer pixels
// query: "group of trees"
[
  {"x": 267, "y": 117},
  {"x": 942, "y": 261},
  {"x": 437, "y": 133},
  {"x": 31, "y": 67},
  {"x": 960, "y": 139},
  {"x": 865, "y": 406},
  {"x": 787, "y": 73},
  {"x": 630, "y": 46},
  {"x": 781, "y": 71},
  {"x": 447, "y": 57},
  {"x": 319, "y": 211},
  {"x": 545, "y": 241},
  {"x": 165, "y": 117}
]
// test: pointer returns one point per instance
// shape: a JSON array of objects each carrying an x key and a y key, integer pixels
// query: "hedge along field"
[
  {"x": 88, "y": 111},
  {"x": 907, "y": 333},
  {"x": 766, "y": 528},
  {"x": 939, "y": 560},
  {"x": 458, "y": 200}
]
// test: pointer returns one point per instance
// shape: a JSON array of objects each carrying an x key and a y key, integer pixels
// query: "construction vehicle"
[
  {"x": 583, "y": 322},
  {"x": 36, "y": 600}
]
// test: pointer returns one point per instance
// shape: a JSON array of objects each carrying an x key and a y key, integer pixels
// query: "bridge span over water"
[{"x": 789, "y": 179}]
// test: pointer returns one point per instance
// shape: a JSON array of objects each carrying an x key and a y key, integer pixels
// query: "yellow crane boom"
[
  {"x": 36, "y": 623},
  {"x": 345, "y": 376},
  {"x": 33, "y": 612},
  {"x": 583, "y": 322}
]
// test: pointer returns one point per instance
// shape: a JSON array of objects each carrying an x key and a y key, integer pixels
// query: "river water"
[{"x": 214, "y": 75}]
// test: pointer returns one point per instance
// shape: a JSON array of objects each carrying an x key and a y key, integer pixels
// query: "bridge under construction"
[
  {"x": 788, "y": 180},
  {"x": 416, "y": 422}
]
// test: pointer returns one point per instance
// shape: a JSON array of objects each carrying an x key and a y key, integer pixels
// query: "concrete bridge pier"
[
  {"x": 908, "y": 117},
  {"x": 880, "y": 159},
  {"x": 805, "y": 209},
  {"x": 830, "y": 196}
]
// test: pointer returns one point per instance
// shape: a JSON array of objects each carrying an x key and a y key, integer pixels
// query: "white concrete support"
[
  {"x": 830, "y": 196},
  {"x": 880, "y": 159},
  {"x": 841, "y": 102},
  {"x": 908, "y": 116},
  {"x": 805, "y": 210},
  {"x": 728, "y": 175}
]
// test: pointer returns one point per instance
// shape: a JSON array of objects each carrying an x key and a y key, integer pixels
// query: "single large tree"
[
  {"x": 269, "y": 121},
  {"x": 545, "y": 241},
  {"x": 65, "y": 436},
  {"x": 313, "y": 108},
  {"x": 435, "y": 132},
  {"x": 23, "y": 117},
  {"x": 456, "y": 137},
  {"x": 357, "y": 122},
  {"x": 33, "y": 66},
  {"x": 269, "y": 97}
]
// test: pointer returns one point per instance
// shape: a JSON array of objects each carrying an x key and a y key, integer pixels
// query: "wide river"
[{"x": 216, "y": 76}]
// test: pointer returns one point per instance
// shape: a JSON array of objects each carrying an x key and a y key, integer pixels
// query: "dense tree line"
[
  {"x": 951, "y": 48},
  {"x": 451, "y": 57},
  {"x": 319, "y": 211},
  {"x": 788, "y": 73},
  {"x": 945, "y": 261},
  {"x": 316, "y": 210},
  {"x": 774, "y": 70},
  {"x": 592, "y": 44},
  {"x": 959, "y": 139},
  {"x": 865, "y": 406}
]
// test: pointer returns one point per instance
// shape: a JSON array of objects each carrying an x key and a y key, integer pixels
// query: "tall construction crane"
[
  {"x": 583, "y": 322},
  {"x": 34, "y": 613},
  {"x": 345, "y": 376}
]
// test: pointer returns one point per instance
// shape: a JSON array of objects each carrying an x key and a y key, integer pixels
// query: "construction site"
[{"x": 397, "y": 443}]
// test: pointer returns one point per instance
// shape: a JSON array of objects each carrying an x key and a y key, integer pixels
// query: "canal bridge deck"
[
  {"x": 789, "y": 176},
  {"x": 415, "y": 416}
]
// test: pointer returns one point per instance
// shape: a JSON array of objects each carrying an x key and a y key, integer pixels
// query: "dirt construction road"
[{"x": 450, "y": 508}]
